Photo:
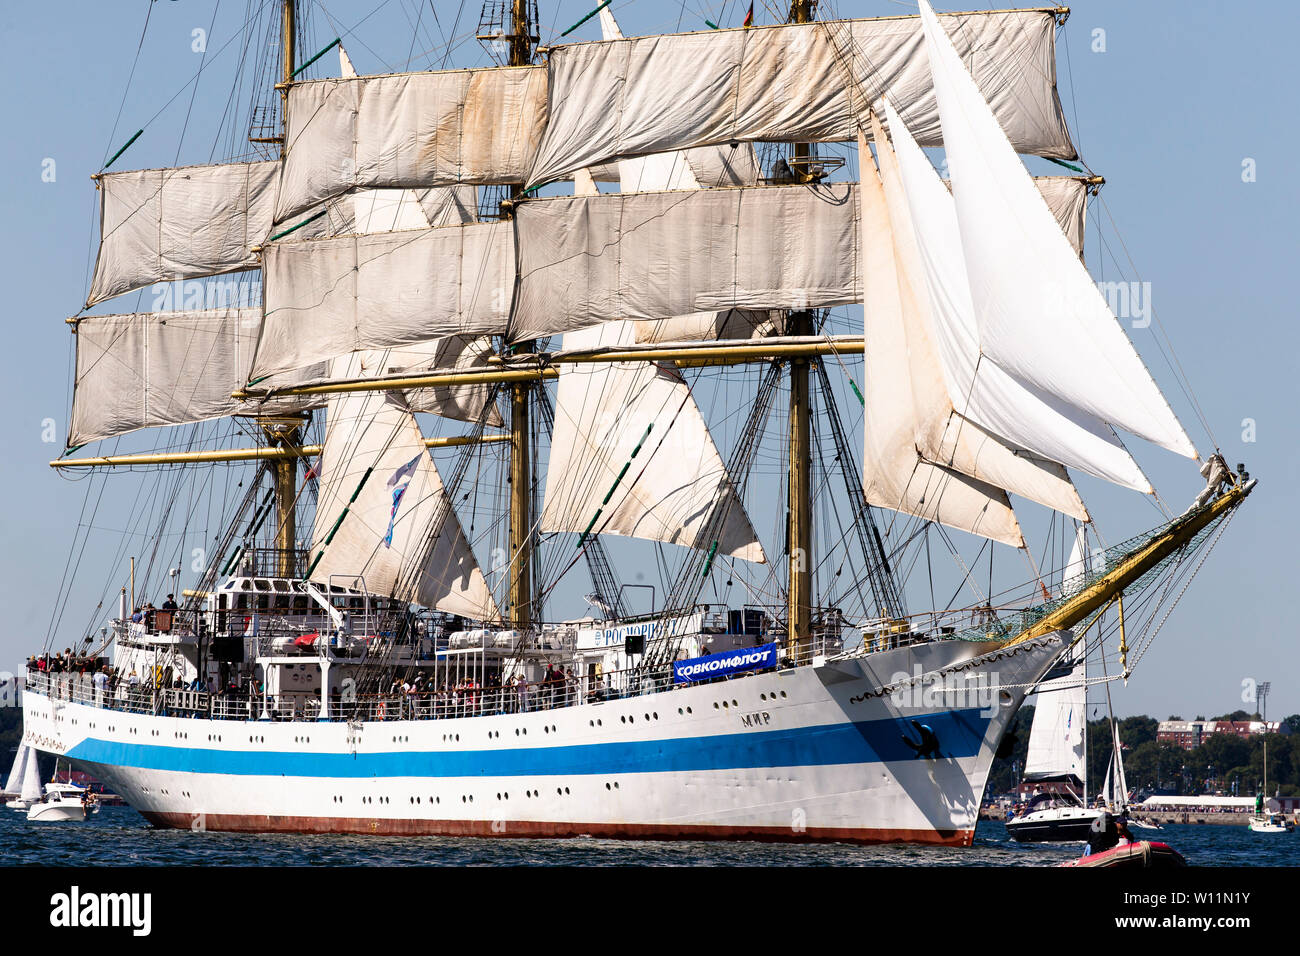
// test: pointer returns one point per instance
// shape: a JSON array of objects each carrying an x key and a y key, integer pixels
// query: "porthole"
[
  {"x": 783, "y": 693},
  {"x": 716, "y": 705},
  {"x": 607, "y": 786}
]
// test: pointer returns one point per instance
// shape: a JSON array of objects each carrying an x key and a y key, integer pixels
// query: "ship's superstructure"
[{"x": 449, "y": 247}]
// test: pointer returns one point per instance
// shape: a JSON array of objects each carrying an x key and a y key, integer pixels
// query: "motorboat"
[{"x": 63, "y": 803}]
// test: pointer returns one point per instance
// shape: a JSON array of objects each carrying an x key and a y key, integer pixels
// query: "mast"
[
  {"x": 799, "y": 512},
  {"x": 285, "y": 434},
  {"x": 520, "y": 598}
]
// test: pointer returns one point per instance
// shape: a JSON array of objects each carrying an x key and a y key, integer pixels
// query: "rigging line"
[
  {"x": 351, "y": 31},
  {"x": 194, "y": 90},
  {"x": 112, "y": 136},
  {"x": 1183, "y": 379},
  {"x": 204, "y": 66},
  {"x": 968, "y": 576}
]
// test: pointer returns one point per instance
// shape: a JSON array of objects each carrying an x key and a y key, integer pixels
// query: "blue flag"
[{"x": 397, "y": 485}]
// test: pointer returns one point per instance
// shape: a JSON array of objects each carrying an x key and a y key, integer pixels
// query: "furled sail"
[
  {"x": 894, "y": 473},
  {"x": 658, "y": 255},
  {"x": 1067, "y": 198},
  {"x": 707, "y": 326},
  {"x": 393, "y": 210},
  {"x": 981, "y": 391},
  {"x": 466, "y": 403},
  {"x": 708, "y": 166},
  {"x": 1056, "y": 734},
  {"x": 792, "y": 82},
  {"x": 328, "y": 297},
  {"x": 410, "y": 130},
  {"x": 399, "y": 533},
  {"x": 157, "y": 225},
  {"x": 676, "y": 489},
  {"x": 942, "y": 436},
  {"x": 1039, "y": 313},
  {"x": 168, "y": 368}
]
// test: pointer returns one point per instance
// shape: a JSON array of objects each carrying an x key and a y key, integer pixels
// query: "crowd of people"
[{"x": 469, "y": 696}]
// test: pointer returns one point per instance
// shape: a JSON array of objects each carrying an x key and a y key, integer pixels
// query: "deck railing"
[{"x": 463, "y": 700}]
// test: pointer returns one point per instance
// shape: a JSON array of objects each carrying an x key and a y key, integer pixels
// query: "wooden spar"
[
  {"x": 682, "y": 356},
  {"x": 285, "y": 470},
  {"x": 1130, "y": 569},
  {"x": 799, "y": 513},
  {"x": 519, "y": 532},
  {"x": 270, "y": 453}
]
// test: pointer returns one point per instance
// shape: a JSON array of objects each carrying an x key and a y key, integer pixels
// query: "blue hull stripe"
[{"x": 959, "y": 733}]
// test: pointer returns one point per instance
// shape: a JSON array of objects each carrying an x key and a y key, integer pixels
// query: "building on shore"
[{"x": 1190, "y": 734}]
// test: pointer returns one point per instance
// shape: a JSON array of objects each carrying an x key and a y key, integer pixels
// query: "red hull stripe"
[{"x": 250, "y": 823}]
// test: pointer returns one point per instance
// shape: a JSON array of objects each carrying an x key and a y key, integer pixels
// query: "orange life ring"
[{"x": 381, "y": 712}]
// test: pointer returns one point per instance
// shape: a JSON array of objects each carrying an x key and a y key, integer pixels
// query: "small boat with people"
[{"x": 63, "y": 803}]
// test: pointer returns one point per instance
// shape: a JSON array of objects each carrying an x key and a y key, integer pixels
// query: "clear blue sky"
[{"x": 1183, "y": 94}]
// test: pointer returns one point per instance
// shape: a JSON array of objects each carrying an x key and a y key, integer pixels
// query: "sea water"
[{"x": 118, "y": 836}]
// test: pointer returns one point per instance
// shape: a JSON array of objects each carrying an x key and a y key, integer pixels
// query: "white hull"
[
  {"x": 63, "y": 811},
  {"x": 810, "y": 753},
  {"x": 1258, "y": 825}
]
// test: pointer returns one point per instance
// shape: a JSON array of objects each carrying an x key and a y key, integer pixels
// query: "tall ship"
[{"x": 618, "y": 303}]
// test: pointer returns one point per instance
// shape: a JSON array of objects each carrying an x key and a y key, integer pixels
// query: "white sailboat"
[
  {"x": 24, "y": 779},
  {"x": 1058, "y": 744},
  {"x": 1262, "y": 820}
]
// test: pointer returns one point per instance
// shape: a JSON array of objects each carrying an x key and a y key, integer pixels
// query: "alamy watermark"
[{"x": 951, "y": 691}]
